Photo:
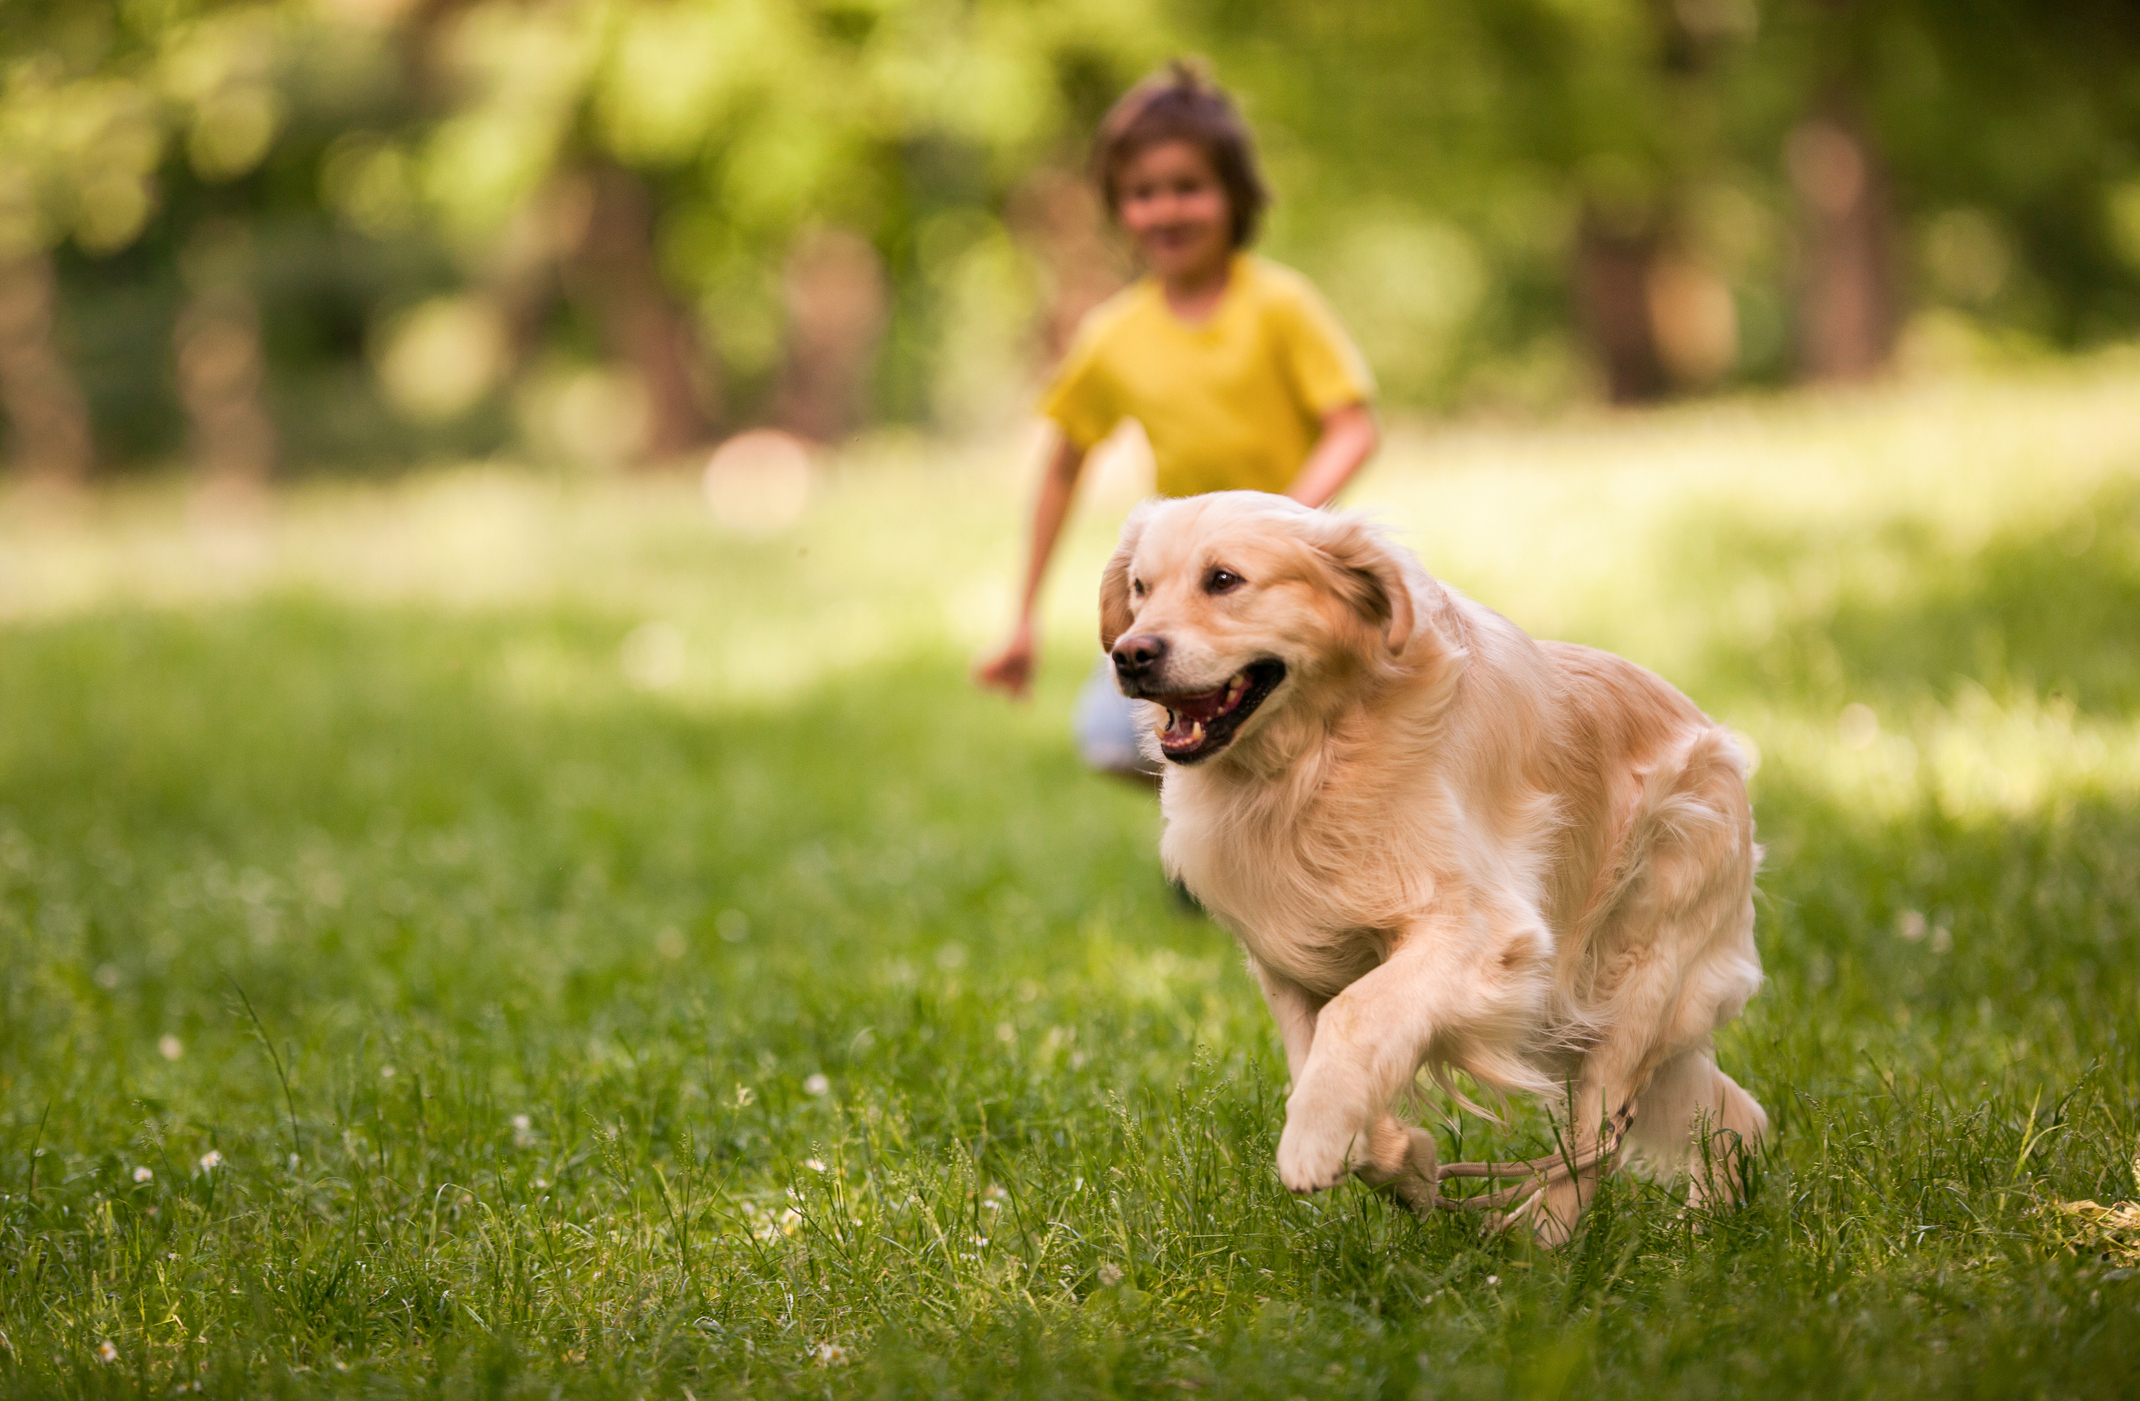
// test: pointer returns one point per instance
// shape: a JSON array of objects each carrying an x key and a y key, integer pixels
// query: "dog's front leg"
[
  {"x": 1394, "y": 1156},
  {"x": 1368, "y": 1042},
  {"x": 1293, "y": 1007}
]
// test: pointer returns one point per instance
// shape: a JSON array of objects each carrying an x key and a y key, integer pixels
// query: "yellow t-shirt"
[{"x": 1235, "y": 401}]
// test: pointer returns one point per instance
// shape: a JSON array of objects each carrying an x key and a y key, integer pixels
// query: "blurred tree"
[
  {"x": 1538, "y": 160},
  {"x": 1668, "y": 175},
  {"x": 794, "y": 170},
  {"x": 2013, "y": 127},
  {"x": 364, "y": 230},
  {"x": 47, "y": 416},
  {"x": 165, "y": 160}
]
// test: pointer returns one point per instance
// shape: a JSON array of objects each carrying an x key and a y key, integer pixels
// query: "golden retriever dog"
[{"x": 1445, "y": 846}]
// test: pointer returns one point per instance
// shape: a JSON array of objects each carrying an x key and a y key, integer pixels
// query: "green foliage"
[
  {"x": 408, "y": 987},
  {"x": 382, "y": 157},
  {"x": 1430, "y": 161}
]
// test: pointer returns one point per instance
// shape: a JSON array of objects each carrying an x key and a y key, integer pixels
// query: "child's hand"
[{"x": 1010, "y": 670}]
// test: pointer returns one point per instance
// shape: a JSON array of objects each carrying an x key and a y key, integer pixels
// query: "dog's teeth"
[{"x": 1196, "y": 732}]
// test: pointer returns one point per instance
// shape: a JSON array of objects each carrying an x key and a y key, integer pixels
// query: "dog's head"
[{"x": 1223, "y": 609}]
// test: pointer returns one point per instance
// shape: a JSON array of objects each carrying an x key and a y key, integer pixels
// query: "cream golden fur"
[{"x": 1442, "y": 845}]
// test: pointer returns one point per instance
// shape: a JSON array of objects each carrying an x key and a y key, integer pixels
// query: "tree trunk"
[
  {"x": 612, "y": 270},
  {"x": 48, "y": 420},
  {"x": 1846, "y": 294},
  {"x": 836, "y": 308},
  {"x": 220, "y": 375},
  {"x": 1612, "y": 292}
]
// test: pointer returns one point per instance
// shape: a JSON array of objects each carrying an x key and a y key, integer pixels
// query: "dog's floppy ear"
[
  {"x": 1366, "y": 573},
  {"x": 1115, "y": 612}
]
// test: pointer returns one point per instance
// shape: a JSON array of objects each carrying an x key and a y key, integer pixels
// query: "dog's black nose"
[{"x": 1136, "y": 656}]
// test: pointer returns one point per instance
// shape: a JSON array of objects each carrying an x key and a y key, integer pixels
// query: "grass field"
[{"x": 498, "y": 935}]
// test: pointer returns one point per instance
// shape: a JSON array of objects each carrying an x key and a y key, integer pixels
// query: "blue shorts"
[{"x": 1106, "y": 724}]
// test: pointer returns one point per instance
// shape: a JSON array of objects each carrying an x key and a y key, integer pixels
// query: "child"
[{"x": 1236, "y": 369}]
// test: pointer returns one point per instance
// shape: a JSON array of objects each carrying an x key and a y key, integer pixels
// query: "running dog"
[{"x": 1443, "y": 845}]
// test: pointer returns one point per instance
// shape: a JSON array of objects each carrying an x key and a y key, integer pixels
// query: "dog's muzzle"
[{"x": 1198, "y": 723}]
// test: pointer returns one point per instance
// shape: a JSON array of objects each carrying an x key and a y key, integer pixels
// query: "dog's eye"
[
  {"x": 1221, "y": 581},
  {"x": 1136, "y": 588}
]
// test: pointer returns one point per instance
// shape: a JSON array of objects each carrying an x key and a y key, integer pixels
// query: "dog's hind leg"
[
  {"x": 1735, "y": 1132},
  {"x": 1601, "y": 1109},
  {"x": 1673, "y": 960},
  {"x": 1591, "y": 1152},
  {"x": 1640, "y": 992},
  {"x": 1698, "y": 1121}
]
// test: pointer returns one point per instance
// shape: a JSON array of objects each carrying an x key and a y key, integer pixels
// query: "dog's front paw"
[{"x": 1318, "y": 1147}]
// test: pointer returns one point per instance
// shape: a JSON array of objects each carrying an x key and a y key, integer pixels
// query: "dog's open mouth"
[{"x": 1199, "y": 725}]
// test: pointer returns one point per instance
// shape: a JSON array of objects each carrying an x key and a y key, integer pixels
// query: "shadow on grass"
[{"x": 1895, "y": 615}]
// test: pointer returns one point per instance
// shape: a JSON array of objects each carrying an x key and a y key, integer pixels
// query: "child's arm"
[
  {"x": 1349, "y": 438},
  {"x": 1011, "y": 669}
]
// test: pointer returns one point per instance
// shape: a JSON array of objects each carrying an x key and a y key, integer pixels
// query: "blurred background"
[
  {"x": 345, "y": 236},
  {"x": 479, "y": 909}
]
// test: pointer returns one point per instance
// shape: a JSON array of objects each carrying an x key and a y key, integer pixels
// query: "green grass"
[{"x": 337, "y": 842}]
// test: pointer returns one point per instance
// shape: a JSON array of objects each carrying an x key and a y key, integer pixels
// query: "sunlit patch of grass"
[
  {"x": 1973, "y": 760},
  {"x": 490, "y": 934}
]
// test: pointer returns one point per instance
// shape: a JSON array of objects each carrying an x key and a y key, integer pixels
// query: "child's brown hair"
[{"x": 1179, "y": 103}]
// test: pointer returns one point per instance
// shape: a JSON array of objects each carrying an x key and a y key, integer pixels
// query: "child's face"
[{"x": 1172, "y": 204}]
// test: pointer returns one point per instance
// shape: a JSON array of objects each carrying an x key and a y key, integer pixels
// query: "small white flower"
[
  {"x": 523, "y": 1131},
  {"x": 211, "y": 1160},
  {"x": 522, "y": 1122},
  {"x": 1110, "y": 1274},
  {"x": 1493, "y": 1279},
  {"x": 817, "y": 1085},
  {"x": 829, "y": 1354},
  {"x": 106, "y": 1352},
  {"x": 814, "y": 1164},
  {"x": 170, "y": 1047},
  {"x": 994, "y": 1198},
  {"x": 771, "y": 1227},
  {"x": 386, "y": 1072},
  {"x": 142, "y": 1174}
]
